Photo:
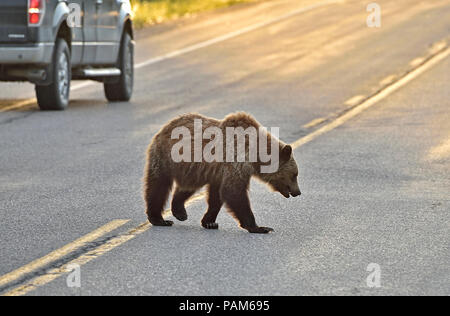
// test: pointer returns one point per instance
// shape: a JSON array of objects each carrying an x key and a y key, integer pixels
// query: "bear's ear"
[{"x": 286, "y": 153}]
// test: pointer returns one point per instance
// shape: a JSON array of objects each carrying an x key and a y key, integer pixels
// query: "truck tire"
[
  {"x": 55, "y": 97},
  {"x": 123, "y": 89}
]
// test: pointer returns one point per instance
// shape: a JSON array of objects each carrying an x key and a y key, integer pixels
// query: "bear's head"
[{"x": 285, "y": 180}]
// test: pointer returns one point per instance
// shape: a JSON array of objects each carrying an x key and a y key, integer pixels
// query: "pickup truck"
[{"x": 51, "y": 42}]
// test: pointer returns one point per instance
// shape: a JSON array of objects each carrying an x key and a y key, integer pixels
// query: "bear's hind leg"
[
  {"x": 179, "y": 199},
  {"x": 214, "y": 205},
  {"x": 157, "y": 191}
]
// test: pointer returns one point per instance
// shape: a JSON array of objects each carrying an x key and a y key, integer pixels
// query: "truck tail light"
[{"x": 35, "y": 11}]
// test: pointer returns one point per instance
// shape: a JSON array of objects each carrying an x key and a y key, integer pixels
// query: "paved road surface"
[{"x": 375, "y": 189}]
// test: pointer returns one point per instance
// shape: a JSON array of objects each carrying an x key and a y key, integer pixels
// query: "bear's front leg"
[
  {"x": 179, "y": 199},
  {"x": 214, "y": 205},
  {"x": 238, "y": 203}
]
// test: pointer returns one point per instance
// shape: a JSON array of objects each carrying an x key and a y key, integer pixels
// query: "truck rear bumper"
[{"x": 36, "y": 54}]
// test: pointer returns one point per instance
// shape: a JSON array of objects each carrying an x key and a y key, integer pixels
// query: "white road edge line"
[
  {"x": 234, "y": 34},
  {"x": 197, "y": 46}
]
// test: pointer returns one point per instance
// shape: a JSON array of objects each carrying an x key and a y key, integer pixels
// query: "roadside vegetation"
[{"x": 148, "y": 12}]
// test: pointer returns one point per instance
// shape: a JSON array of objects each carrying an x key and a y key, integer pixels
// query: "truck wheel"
[
  {"x": 55, "y": 97},
  {"x": 123, "y": 89}
]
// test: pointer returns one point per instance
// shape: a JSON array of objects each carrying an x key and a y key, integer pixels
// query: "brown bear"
[{"x": 198, "y": 161}]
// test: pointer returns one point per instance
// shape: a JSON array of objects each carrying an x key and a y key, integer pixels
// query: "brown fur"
[{"x": 227, "y": 183}]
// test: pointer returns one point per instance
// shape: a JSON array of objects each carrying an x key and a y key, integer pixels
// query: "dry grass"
[{"x": 148, "y": 12}]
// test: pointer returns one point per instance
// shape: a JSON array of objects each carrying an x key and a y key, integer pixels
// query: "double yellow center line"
[
  {"x": 54, "y": 273},
  {"x": 57, "y": 254}
]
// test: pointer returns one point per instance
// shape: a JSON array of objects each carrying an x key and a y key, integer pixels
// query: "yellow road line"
[
  {"x": 315, "y": 122},
  {"x": 89, "y": 256},
  {"x": 389, "y": 80},
  {"x": 373, "y": 100},
  {"x": 417, "y": 61},
  {"x": 18, "y": 105},
  {"x": 59, "y": 253},
  {"x": 81, "y": 260},
  {"x": 354, "y": 100},
  {"x": 117, "y": 241},
  {"x": 440, "y": 152},
  {"x": 31, "y": 101}
]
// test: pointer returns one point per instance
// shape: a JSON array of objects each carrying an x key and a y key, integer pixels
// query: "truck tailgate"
[{"x": 13, "y": 21}]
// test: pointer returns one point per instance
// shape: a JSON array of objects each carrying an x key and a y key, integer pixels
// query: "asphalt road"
[{"x": 375, "y": 189}]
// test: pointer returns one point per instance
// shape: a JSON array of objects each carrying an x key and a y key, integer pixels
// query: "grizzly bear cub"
[{"x": 200, "y": 161}]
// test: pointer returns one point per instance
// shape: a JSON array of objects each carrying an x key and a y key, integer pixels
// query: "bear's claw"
[
  {"x": 161, "y": 223},
  {"x": 181, "y": 218},
  {"x": 210, "y": 225},
  {"x": 260, "y": 230}
]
